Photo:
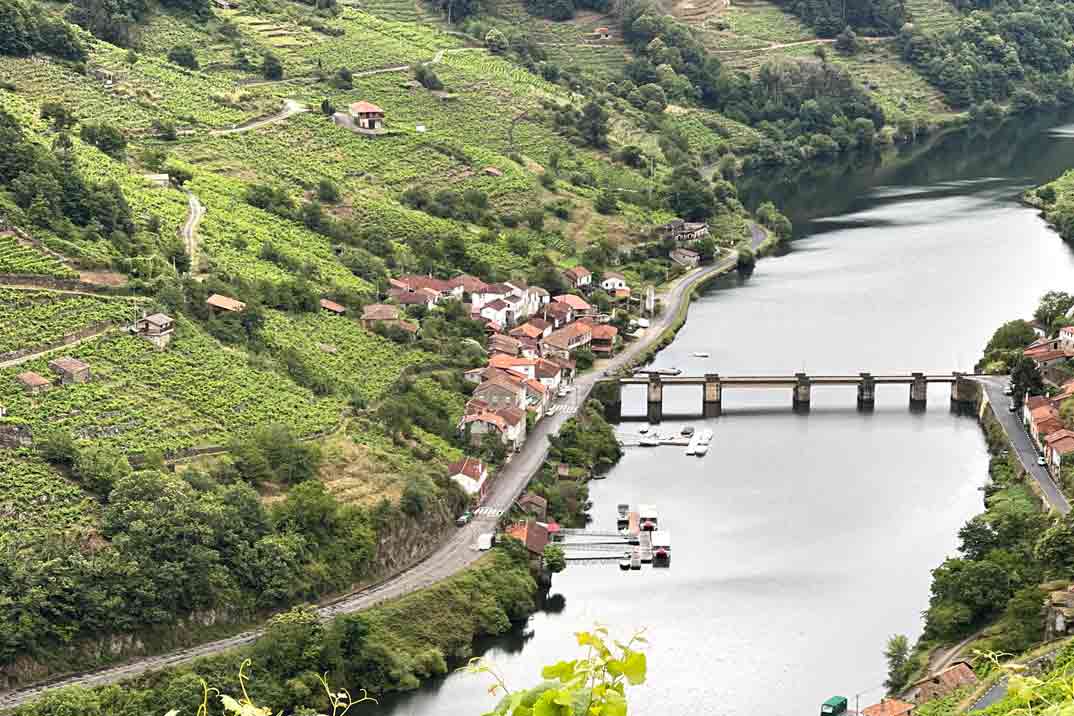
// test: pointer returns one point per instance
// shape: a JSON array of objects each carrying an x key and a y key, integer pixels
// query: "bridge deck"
[{"x": 766, "y": 381}]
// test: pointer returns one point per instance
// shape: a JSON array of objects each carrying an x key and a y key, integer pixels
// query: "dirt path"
[
  {"x": 796, "y": 43},
  {"x": 66, "y": 346},
  {"x": 290, "y": 109},
  {"x": 455, "y": 554},
  {"x": 188, "y": 232}
]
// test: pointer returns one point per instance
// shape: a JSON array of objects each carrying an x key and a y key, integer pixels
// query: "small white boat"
[
  {"x": 706, "y": 437},
  {"x": 649, "y": 442},
  {"x": 643, "y": 430},
  {"x": 700, "y": 450},
  {"x": 700, "y": 354}
]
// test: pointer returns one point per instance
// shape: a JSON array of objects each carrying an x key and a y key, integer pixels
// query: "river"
[{"x": 801, "y": 542}]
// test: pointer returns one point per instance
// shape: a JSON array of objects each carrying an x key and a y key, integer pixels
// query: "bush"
[
  {"x": 105, "y": 137},
  {"x": 183, "y": 55},
  {"x": 271, "y": 67}
]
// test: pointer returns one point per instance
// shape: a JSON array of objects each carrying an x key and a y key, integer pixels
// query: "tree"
[
  {"x": 1026, "y": 378},
  {"x": 58, "y": 115},
  {"x": 271, "y": 67},
  {"x": 606, "y": 202},
  {"x": 327, "y": 191},
  {"x": 105, "y": 137},
  {"x": 554, "y": 559},
  {"x": 897, "y": 653},
  {"x": 58, "y": 447},
  {"x": 496, "y": 42},
  {"x": 593, "y": 125},
  {"x": 99, "y": 467},
  {"x": 847, "y": 41},
  {"x": 183, "y": 55},
  {"x": 1053, "y": 306}
]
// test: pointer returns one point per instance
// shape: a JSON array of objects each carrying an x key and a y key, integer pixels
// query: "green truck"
[{"x": 833, "y": 706}]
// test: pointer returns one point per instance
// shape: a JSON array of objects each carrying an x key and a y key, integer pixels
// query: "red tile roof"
[
  {"x": 501, "y": 360},
  {"x": 469, "y": 466},
  {"x": 364, "y": 107},
  {"x": 576, "y": 302},
  {"x": 531, "y": 534},
  {"x": 416, "y": 282},
  {"x": 577, "y": 272},
  {"x": 32, "y": 380},
  {"x": 604, "y": 332},
  {"x": 512, "y": 416},
  {"x": 889, "y": 707},
  {"x": 529, "y": 330}
]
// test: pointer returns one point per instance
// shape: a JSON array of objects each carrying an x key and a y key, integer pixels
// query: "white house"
[
  {"x": 612, "y": 281},
  {"x": 497, "y": 310},
  {"x": 471, "y": 475}
]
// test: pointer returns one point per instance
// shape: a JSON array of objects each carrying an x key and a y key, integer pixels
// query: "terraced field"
[
  {"x": 33, "y": 318},
  {"x": 35, "y": 500},
  {"x": 750, "y": 25},
  {"x": 938, "y": 15},
  {"x": 340, "y": 349},
  {"x": 196, "y": 393},
  {"x": 16, "y": 257}
]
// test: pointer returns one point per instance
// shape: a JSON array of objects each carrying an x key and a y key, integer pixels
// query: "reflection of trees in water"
[
  {"x": 1018, "y": 152},
  {"x": 553, "y": 603}
]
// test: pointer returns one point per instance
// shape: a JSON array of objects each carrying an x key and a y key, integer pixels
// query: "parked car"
[
  {"x": 1011, "y": 407},
  {"x": 1041, "y": 460},
  {"x": 464, "y": 519},
  {"x": 1008, "y": 390}
]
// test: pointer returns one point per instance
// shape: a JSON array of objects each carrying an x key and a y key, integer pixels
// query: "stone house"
[
  {"x": 500, "y": 390},
  {"x": 683, "y": 231},
  {"x": 508, "y": 423},
  {"x": 534, "y": 505},
  {"x": 70, "y": 370},
  {"x": 33, "y": 383},
  {"x": 157, "y": 329},
  {"x": 558, "y": 314},
  {"x": 507, "y": 345}
]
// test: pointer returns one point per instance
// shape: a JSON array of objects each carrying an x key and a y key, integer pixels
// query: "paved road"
[
  {"x": 455, "y": 554},
  {"x": 999, "y": 689},
  {"x": 1021, "y": 442}
]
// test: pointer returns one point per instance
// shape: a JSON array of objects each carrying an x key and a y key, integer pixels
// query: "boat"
[
  {"x": 701, "y": 450},
  {"x": 688, "y": 430},
  {"x": 706, "y": 437},
  {"x": 649, "y": 441},
  {"x": 643, "y": 430},
  {"x": 700, "y": 354},
  {"x": 624, "y": 563}
]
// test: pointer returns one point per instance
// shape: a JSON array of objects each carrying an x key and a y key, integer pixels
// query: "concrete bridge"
[{"x": 963, "y": 389}]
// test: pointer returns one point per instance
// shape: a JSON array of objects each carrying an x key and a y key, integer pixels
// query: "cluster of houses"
[
  {"x": 936, "y": 686},
  {"x": 683, "y": 233},
  {"x": 1040, "y": 414}
]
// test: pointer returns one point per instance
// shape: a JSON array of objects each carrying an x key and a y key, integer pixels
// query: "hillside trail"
[
  {"x": 290, "y": 108},
  {"x": 188, "y": 232},
  {"x": 797, "y": 43}
]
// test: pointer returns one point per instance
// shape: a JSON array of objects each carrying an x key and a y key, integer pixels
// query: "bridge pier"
[
  {"x": 963, "y": 392},
  {"x": 712, "y": 398},
  {"x": 801, "y": 394},
  {"x": 867, "y": 392},
  {"x": 656, "y": 398},
  {"x": 610, "y": 394},
  {"x": 919, "y": 391}
]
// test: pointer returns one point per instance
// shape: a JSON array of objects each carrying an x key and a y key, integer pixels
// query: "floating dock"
[{"x": 638, "y": 541}]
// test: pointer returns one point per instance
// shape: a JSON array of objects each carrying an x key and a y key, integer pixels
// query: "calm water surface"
[{"x": 802, "y": 542}]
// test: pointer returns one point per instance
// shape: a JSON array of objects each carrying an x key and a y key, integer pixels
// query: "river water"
[{"x": 801, "y": 542}]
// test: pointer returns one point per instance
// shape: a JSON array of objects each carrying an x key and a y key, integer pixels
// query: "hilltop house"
[
  {"x": 578, "y": 277},
  {"x": 157, "y": 329}
]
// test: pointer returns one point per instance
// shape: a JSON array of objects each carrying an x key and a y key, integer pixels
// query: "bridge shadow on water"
[{"x": 834, "y": 411}]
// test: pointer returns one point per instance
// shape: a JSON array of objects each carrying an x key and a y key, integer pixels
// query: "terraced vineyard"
[
  {"x": 371, "y": 42},
  {"x": 750, "y": 25},
  {"x": 36, "y": 500},
  {"x": 196, "y": 393},
  {"x": 342, "y": 350},
  {"x": 34, "y": 318},
  {"x": 16, "y": 257},
  {"x": 937, "y": 15}
]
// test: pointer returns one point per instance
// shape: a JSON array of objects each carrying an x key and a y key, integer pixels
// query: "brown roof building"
[
  {"x": 70, "y": 370},
  {"x": 942, "y": 683},
  {"x": 534, "y": 504},
  {"x": 889, "y": 707},
  {"x": 332, "y": 307},
  {"x": 531, "y": 534},
  {"x": 32, "y": 382},
  {"x": 225, "y": 303},
  {"x": 568, "y": 339},
  {"x": 504, "y": 344}
]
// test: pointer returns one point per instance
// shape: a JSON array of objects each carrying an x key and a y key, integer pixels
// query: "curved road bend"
[
  {"x": 455, "y": 554},
  {"x": 1022, "y": 444}
]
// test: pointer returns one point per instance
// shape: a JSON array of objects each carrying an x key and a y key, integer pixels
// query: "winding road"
[
  {"x": 290, "y": 109},
  {"x": 457, "y": 552}
]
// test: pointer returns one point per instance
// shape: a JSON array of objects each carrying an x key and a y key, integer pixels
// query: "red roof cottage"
[
  {"x": 531, "y": 534},
  {"x": 578, "y": 277},
  {"x": 70, "y": 370},
  {"x": 889, "y": 707},
  {"x": 368, "y": 118},
  {"x": 332, "y": 307},
  {"x": 219, "y": 303},
  {"x": 471, "y": 475},
  {"x": 33, "y": 383}
]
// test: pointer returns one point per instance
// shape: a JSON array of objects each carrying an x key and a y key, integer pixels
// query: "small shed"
[
  {"x": 602, "y": 33},
  {"x": 493, "y": 171},
  {"x": 157, "y": 328},
  {"x": 70, "y": 370},
  {"x": 33, "y": 383},
  {"x": 219, "y": 303},
  {"x": 333, "y": 307}
]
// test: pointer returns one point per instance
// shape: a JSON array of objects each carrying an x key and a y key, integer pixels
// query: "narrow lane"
[
  {"x": 1022, "y": 444},
  {"x": 457, "y": 552}
]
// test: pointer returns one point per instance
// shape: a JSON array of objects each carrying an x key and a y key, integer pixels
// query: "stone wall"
[
  {"x": 49, "y": 282},
  {"x": 59, "y": 342}
]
